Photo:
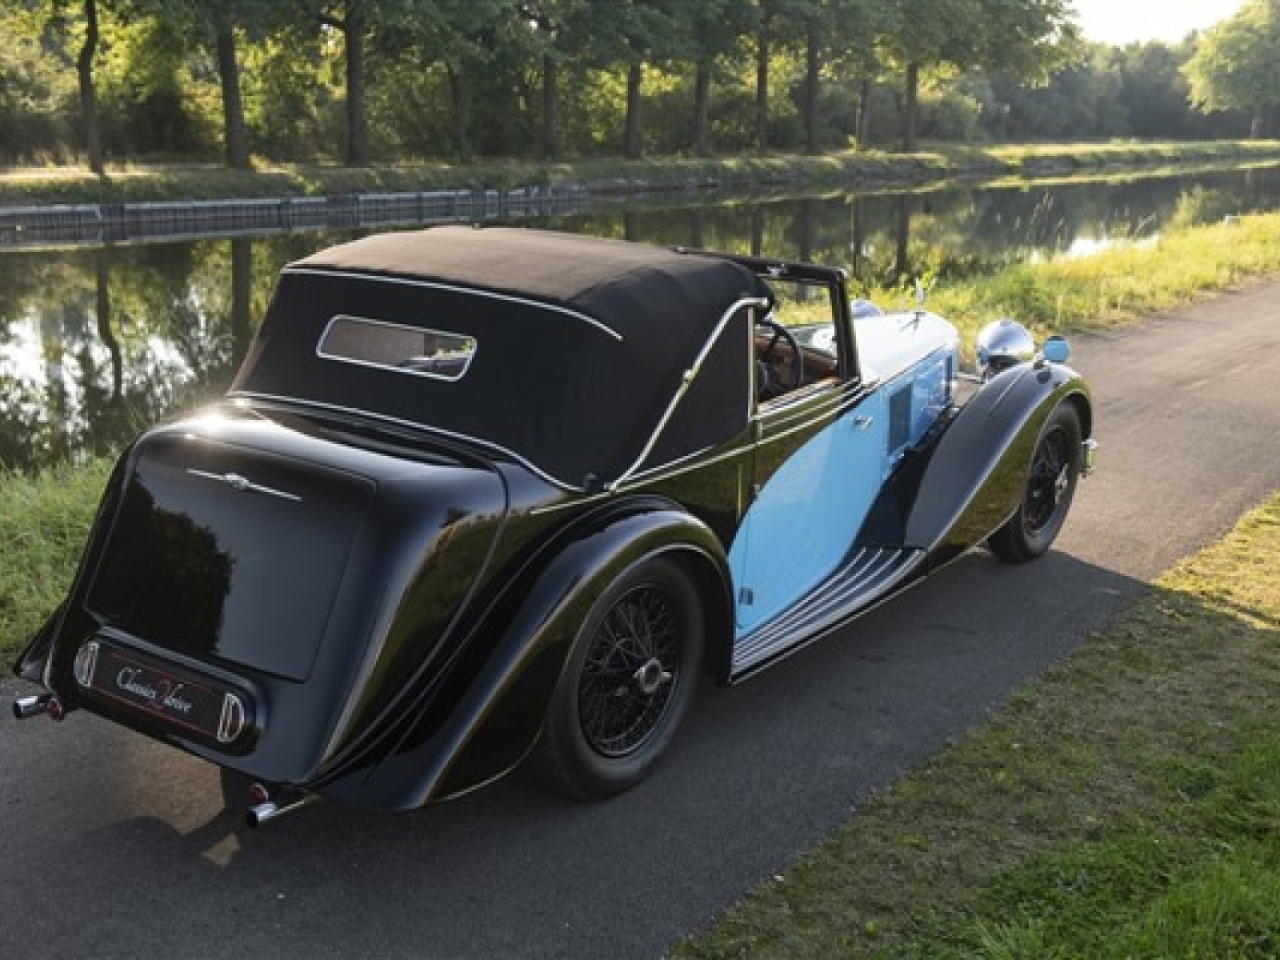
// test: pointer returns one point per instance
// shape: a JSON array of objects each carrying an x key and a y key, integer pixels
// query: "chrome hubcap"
[
  {"x": 650, "y": 676},
  {"x": 1060, "y": 485}
]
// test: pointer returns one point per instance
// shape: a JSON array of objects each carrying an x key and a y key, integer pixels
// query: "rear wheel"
[
  {"x": 1051, "y": 485},
  {"x": 626, "y": 685}
]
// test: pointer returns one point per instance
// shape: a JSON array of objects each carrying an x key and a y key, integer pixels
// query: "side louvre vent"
[{"x": 899, "y": 418}]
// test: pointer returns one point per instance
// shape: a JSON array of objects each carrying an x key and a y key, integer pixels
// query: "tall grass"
[{"x": 44, "y": 520}]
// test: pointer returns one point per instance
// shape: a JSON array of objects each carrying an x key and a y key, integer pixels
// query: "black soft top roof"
[{"x": 581, "y": 343}]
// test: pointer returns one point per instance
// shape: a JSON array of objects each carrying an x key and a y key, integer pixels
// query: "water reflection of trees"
[{"x": 96, "y": 344}]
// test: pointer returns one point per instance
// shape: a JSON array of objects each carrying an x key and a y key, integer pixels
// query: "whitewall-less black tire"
[{"x": 626, "y": 686}]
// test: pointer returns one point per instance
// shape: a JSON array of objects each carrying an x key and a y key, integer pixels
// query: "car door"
[
  {"x": 815, "y": 484},
  {"x": 818, "y": 464}
]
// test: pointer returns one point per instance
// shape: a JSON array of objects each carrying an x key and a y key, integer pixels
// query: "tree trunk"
[
  {"x": 812, "y": 77},
  {"x": 461, "y": 112},
  {"x": 698, "y": 228},
  {"x": 863, "y": 124},
  {"x": 550, "y": 146},
  {"x": 631, "y": 144},
  {"x": 357, "y": 123},
  {"x": 911, "y": 109},
  {"x": 857, "y": 240},
  {"x": 762, "y": 86},
  {"x": 88, "y": 95},
  {"x": 235, "y": 145},
  {"x": 241, "y": 297},
  {"x": 103, "y": 311},
  {"x": 902, "y": 246},
  {"x": 702, "y": 108}
]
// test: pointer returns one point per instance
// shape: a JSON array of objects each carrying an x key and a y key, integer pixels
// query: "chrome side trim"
[
  {"x": 472, "y": 291},
  {"x": 685, "y": 383},
  {"x": 864, "y": 579}
]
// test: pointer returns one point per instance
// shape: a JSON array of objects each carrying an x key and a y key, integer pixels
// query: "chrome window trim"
[
  {"x": 472, "y": 291},
  {"x": 405, "y": 371}
]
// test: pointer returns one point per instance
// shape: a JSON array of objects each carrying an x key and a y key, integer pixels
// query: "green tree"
[
  {"x": 92, "y": 130},
  {"x": 38, "y": 119},
  {"x": 1027, "y": 38},
  {"x": 554, "y": 36},
  {"x": 217, "y": 26},
  {"x": 712, "y": 30},
  {"x": 1236, "y": 65}
]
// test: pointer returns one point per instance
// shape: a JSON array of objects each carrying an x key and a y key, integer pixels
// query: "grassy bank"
[
  {"x": 43, "y": 524},
  {"x": 1132, "y": 279},
  {"x": 143, "y": 182},
  {"x": 1126, "y": 804}
]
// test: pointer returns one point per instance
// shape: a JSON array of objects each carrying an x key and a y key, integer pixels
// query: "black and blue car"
[{"x": 482, "y": 497}]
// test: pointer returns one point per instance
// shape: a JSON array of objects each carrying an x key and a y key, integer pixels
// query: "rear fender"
[
  {"x": 976, "y": 475},
  {"x": 498, "y": 719}
]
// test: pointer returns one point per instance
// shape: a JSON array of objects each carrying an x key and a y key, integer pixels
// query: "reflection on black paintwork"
[{"x": 168, "y": 578}]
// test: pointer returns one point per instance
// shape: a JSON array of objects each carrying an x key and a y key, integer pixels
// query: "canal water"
[{"x": 98, "y": 342}]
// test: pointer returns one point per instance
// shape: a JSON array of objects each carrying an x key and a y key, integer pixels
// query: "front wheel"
[
  {"x": 1051, "y": 485},
  {"x": 626, "y": 686}
]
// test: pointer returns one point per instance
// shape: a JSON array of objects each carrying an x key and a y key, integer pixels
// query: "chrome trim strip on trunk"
[{"x": 244, "y": 484}]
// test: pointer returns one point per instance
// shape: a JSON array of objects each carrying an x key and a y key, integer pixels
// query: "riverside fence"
[{"x": 96, "y": 224}]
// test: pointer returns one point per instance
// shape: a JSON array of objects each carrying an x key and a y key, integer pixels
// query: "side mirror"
[{"x": 1056, "y": 349}]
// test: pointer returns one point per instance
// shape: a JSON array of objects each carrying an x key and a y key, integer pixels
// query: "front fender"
[
  {"x": 497, "y": 720},
  {"x": 976, "y": 475}
]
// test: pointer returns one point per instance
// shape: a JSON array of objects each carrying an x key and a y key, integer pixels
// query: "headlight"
[{"x": 1002, "y": 344}]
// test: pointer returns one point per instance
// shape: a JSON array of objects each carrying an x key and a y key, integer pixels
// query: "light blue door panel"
[{"x": 804, "y": 520}]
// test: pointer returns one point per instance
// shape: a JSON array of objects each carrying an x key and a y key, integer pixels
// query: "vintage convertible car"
[{"x": 482, "y": 496}]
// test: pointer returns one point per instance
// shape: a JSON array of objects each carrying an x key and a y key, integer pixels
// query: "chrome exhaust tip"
[
  {"x": 45, "y": 703},
  {"x": 273, "y": 806}
]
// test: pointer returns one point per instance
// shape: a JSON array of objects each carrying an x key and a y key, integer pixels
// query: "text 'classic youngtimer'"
[{"x": 481, "y": 497}]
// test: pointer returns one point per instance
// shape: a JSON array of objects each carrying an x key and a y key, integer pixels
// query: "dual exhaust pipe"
[
  {"x": 265, "y": 803},
  {"x": 46, "y": 704}
]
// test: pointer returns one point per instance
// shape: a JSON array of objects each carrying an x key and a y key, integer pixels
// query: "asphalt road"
[{"x": 112, "y": 846}]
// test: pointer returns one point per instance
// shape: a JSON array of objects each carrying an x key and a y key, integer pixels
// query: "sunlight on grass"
[
  {"x": 1112, "y": 287},
  {"x": 1125, "y": 804}
]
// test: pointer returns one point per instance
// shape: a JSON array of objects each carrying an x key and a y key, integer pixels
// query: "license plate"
[{"x": 152, "y": 687}]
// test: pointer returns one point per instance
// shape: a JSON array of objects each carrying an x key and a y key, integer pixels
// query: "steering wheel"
[{"x": 797, "y": 360}]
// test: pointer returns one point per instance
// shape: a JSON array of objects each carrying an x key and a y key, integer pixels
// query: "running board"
[{"x": 866, "y": 578}]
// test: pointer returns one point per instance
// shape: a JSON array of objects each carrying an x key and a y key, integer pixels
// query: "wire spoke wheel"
[
  {"x": 626, "y": 685},
  {"x": 1050, "y": 487},
  {"x": 1049, "y": 480},
  {"x": 629, "y": 673}
]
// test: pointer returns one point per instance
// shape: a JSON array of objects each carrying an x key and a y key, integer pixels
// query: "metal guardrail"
[{"x": 93, "y": 224}]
